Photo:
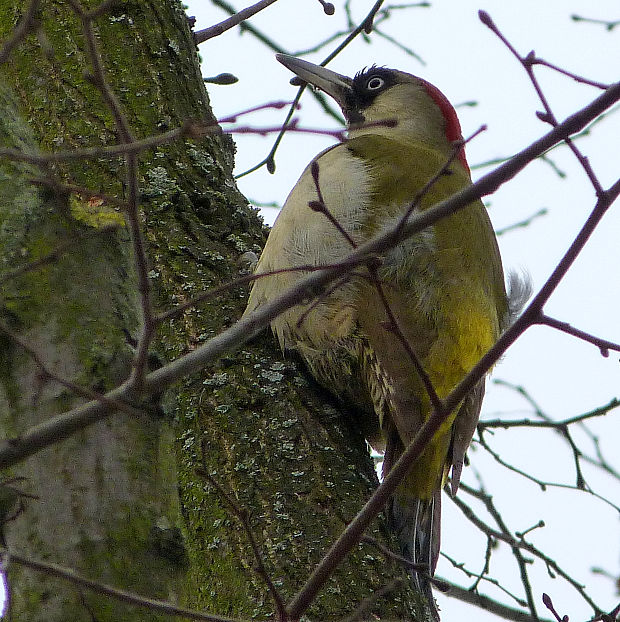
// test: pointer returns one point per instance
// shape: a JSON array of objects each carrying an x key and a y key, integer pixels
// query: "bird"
[{"x": 444, "y": 287}]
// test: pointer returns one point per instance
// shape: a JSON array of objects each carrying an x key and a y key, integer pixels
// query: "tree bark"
[{"x": 121, "y": 501}]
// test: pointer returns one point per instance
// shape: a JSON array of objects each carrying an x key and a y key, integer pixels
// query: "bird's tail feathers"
[{"x": 416, "y": 523}]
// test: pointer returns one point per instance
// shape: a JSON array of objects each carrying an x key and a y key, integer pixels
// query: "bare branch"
[
  {"x": 528, "y": 423},
  {"x": 132, "y": 212},
  {"x": 214, "y": 31},
  {"x": 60, "y": 427},
  {"x": 577, "y": 455},
  {"x": 188, "y": 129},
  {"x": 603, "y": 345},
  {"x": 407, "y": 563},
  {"x": 26, "y": 24},
  {"x": 364, "y": 26},
  {"x": 526, "y": 222},
  {"x": 242, "y": 515},
  {"x": 359, "y": 613},
  {"x": 58, "y": 252},
  {"x": 481, "y": 577},
  {"x": 490, "y": 605},
  {"x": 528, "y": 62},
  {"x": 609, "y": 25},
  {"x": 101, "y": 588},
  {"x": 46, "y": 374},
  {"x": 514, "y": 542}
]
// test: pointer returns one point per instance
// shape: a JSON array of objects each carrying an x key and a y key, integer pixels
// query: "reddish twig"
[
  {"x": 190, "y": 129},
  {"x": 396, "y": 329},
  {"x": 570, "y": 74},
  {"x": 61, "y": 426},
  {"x": 528, "y": 62},
  {"x": 393, "y": 323},
  {"x": 243, "y": 280},
  {"x": 277, "y": 105},
  {"x": 549, "y": 604},
  {"x": 602, "y": 344},
  {"x": 355, "y": 529},
  {"x": 320, "y": 207},
  {"x": 364, "y": 26},
  {"x": 443, "y": 170}
]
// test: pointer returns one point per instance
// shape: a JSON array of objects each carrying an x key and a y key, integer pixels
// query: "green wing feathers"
[{"x": 445, "y": 286}]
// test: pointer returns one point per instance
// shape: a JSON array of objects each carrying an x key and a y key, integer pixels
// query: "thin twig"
[
  {"x": 514, "y": 542},
  {"x": 364, "y": 26},
  {"x": 249, "y": 278},
  {"x": 61, "y": 426},
  {"x": 456, "y": 152},
  {"x": 189, "y": 129},
  {"x": 393, "y": 323},
  {"x": 609, "y": 25},
  {"x": 248, "y": 27},
  {"x": 132, "y": 212},
  {"x": 214, "y": 31},
  {"x": 526, "y": 222},
  {"x": 46, "y": 374},
  {"x": 58, "y": 252},
  {"x": 529, "y": 423},
  {"x": 26, "y": 24},
  {"x": 468, "y": 573},
  {"x": 602, "y": 344},
  {"x": 355, "y": 529},
  {"x": 63, "y": 189},
  {"x": 580, "y": 485},
  {"x": 570, "y": 74},
  {"x": 528, "y": 62},
  {"x": 396, "y": 329},
  {"x": 365, "y": 605},
  {"x": 487, "y": 563},
  {"x": 242, "y": 515},
  {"x": 488, "y": 604},
  {"x": 516, "y": 551},
  {"x": 101, "y": 588},
  {"x": 406, "y": 562}
]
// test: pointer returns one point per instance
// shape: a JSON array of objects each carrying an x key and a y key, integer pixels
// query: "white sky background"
[{"x": 565, "y": 376}]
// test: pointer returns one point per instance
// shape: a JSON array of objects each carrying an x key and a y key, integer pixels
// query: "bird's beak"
[{"x": 337, "y": 86}]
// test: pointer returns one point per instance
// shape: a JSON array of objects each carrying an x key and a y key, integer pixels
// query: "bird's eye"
[{"x": 375, "y": 83}]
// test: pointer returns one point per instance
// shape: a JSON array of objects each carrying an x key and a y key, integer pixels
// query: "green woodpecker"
[{"x": 445, "y": 285}]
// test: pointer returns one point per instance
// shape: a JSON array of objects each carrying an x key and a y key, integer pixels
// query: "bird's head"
[{"x": 419, "y": 110}]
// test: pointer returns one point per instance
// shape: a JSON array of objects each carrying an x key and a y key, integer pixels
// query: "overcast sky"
[{"x": 566, "y": 377}]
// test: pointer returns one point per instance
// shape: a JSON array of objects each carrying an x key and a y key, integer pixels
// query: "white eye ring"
[{"x": 375, "y": 83}]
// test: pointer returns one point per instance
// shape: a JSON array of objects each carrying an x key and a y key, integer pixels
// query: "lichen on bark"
[{"x": 121, "y": 501}]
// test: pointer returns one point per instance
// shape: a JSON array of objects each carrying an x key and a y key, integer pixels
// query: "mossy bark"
[{"x": 121, "y": 501}]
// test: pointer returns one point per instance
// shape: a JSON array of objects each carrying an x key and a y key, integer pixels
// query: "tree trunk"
[{"x": 121, "y": 501}]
